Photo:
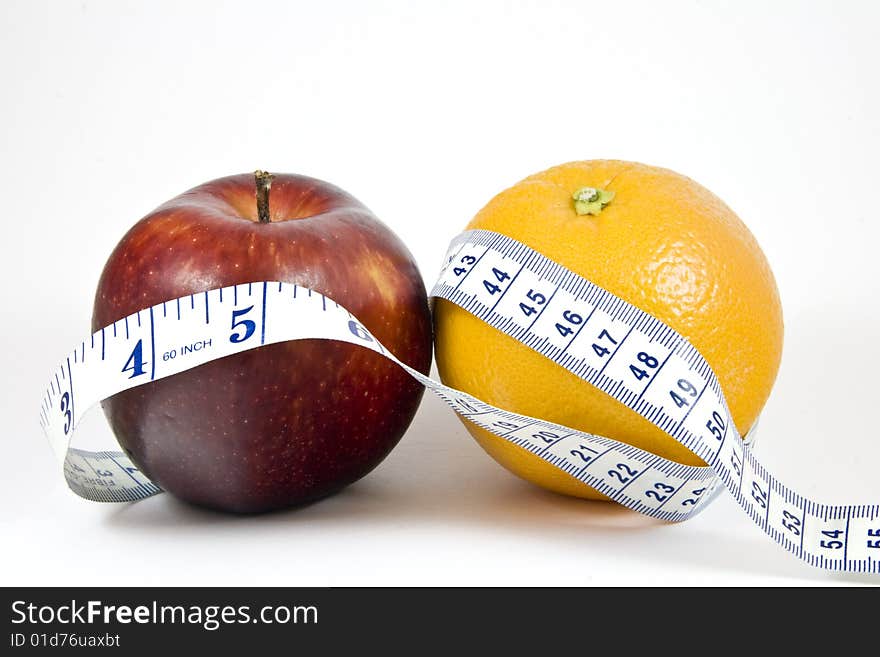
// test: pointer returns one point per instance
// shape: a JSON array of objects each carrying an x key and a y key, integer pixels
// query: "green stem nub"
[
  {"x": 264, "y": 184},
  {"x": 591, "y": 200}
]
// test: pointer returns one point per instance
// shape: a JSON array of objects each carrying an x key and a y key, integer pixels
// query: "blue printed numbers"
[
  {"x": 660, "y": 492},
  {"x": 464, "y": 405},
  {"x": 536, "y": 299},
  {"x": 736, "y": 464},
  {"x": 875, "y": 535},
  {"x": 623, "y": 473},
  {"x": 759, "y": 495},
  {"x": 831, "y": 540},
  {"x": 650, "y": 363},
  {"x": 584, "y": 453},
  {"x": 570, "y": 318},
  {"x": 791, "y": 522},
  {"x": 505, "y": 426},
  {"x": 689, "y": 391},
  {"x": 66, "y": 412},
  {"x": 695, "y": 496},
  {"x": 135, "y": 363},
  {"x": 716, "y": 425},
  {"x": 599, "y": 346},
  {"x": 248, "y": 326},
  {"x": 466, "y": 261},
  {"x": 547, "y": 436},
  {"x": 487, "y": 277},
  {"x": 358, "y": 331},
  {"x": 500, "y": 276}
]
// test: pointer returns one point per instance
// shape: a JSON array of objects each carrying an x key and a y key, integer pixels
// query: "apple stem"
[{"x": 264, "y": 184}]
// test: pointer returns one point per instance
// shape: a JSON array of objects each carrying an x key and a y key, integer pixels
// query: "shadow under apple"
[{"x": 439, "y": 476}]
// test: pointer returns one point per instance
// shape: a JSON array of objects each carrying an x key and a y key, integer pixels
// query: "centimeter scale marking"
[{"x": 604, "y": 340}]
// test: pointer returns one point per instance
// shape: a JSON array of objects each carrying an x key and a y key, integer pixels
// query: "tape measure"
[{"x": 834, "y": 537}]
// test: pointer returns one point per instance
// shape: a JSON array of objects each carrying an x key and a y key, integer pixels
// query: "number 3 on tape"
[{"x": 132, "y": 352}]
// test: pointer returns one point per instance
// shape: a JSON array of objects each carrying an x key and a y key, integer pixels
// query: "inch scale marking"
[
  {"x": 629, "y": 373},
  {"x": 627, "y": 353}
]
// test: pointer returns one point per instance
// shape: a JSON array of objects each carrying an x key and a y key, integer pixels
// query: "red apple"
[{"x": 286, "y": 423}]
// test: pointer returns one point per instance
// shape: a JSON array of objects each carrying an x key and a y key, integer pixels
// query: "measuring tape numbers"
[{"x": 161, "y": 341}]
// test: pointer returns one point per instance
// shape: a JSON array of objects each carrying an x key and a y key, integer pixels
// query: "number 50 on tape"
[{"x": 834, "y": 537}]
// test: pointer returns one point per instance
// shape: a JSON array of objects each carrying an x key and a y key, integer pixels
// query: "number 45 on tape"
[{"x": 638, "y": 360}]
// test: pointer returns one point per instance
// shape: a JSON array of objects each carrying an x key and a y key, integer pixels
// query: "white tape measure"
[{"x": 680, "y": 393}]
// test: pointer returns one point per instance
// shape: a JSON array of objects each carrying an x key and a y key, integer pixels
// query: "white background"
[{"x": 424, "y": 111}]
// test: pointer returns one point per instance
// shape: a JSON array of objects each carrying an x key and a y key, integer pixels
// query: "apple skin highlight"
[{"x": 287, "y": 423}]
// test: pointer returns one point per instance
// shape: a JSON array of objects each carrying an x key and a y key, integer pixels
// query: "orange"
[{"x": 663, "y": 243}]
